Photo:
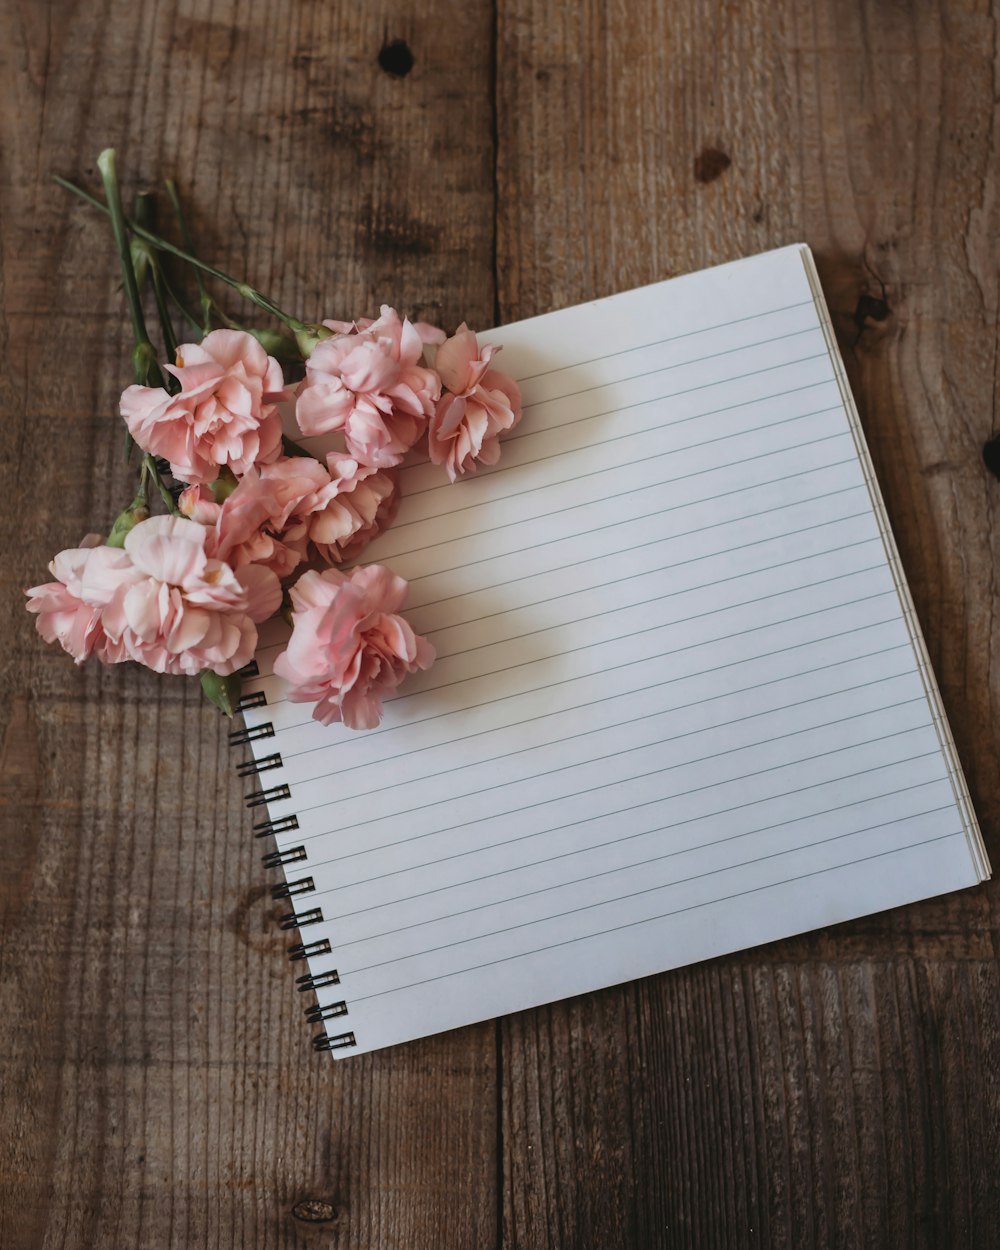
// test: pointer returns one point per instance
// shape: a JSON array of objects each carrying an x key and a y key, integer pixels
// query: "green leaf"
[{"x": 224, "y": 692}]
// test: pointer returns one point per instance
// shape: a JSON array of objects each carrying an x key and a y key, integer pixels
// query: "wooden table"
[{"x": 496, "y": 160}]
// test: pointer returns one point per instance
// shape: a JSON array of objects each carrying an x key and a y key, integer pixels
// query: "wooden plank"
[
  {"x": 159, "y": 1087},
  {"x": 836, "y": 1089},
  {"x": 842, "y": 1088}
]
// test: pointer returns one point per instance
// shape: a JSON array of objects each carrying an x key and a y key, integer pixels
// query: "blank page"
[{"x": 681, "y": 705}]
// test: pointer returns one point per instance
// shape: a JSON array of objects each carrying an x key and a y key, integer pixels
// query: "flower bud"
[
  {"x": 224, "y": 484},
  {"x": 309, "y": 336},
  {"x": 224, "y": 692},
  {"x": 134, "y": 514},
  {"x": 279, "y": 345}
]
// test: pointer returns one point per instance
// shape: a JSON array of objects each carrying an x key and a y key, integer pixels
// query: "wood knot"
[
  {"x": 314, "y": 1211},
  {"x": 396, "y": 58},
  {"x": 871, "y": 308},
  {"x": 711, "y": 163},
  {"x": 254, "y": 922}
]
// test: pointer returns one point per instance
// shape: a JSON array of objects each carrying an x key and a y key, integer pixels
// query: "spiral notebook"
[{"x": 681, "y": 704}]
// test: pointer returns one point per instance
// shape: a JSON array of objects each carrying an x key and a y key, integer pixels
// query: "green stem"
[
  {"x": 203, "y": 295},
  {"x": 179, "y": 304},
  {"x": 243, "y": 288},
  {"x": 147, "y": 236},
  {"x": 147, "y": 371},
  {"x": 162, "y": 311},
  {"x": 150, "y": 469},
  {"x": 145, "y": 212}
]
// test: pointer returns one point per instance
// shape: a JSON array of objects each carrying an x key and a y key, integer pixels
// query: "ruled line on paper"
[
  {"x": 691, "y": 820},
  {"x": 604, "y": 726},
  {"x": 807, "y": 586},
  {"x": 701, "y": 529},
  {"x": 641, "y": 603},
  {"x": 628, "y": 664},
  {"x": 658, "y": 831},
  {"x": 654, "y": 772},
  {"x": 630, "y": 405},
  {"x": 692, "y": 360},
  {"x": 358, "y": 998},
  {"x": 670, "y": 536},
  {"x": 448, "y": 799},
  {"x": 617, "y": 440},
  {"x": 634, "y": 634},
  {"x": 587, "y": 704},
  {"x": 597, "y": 586},
  {"x": 728, "y": 494},
  {"x": 521, "y": 433},
  {"x": 420, "y": 605},
  {"x": 674, "y": 338},
  {"x": 547, "y": 486},
  {"x": 685, "y": 590},
  {"x": 625, "y": 409},
  {"x": 707, "y": 729},
  {"x": 384, "y": 729},
  {"x": 596, "y": 876},
  {"x": 591, "y": 703}
]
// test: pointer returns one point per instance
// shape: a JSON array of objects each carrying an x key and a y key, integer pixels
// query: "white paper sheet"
[{"x": 680, "y": 706}]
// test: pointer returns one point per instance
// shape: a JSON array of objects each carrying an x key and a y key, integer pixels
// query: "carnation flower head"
[
  {"x": 294, "y": 509},
  {"x": 478, "y": 404},
  {"x": 225, "y": 414},
  {"x": 362, "y": 504},
  {"x": 70, "y": 609},
  {"x": 369, "y": 384},
  {"x": 246, "y": 528},
  {"x": 187, "y": 611},
  {"x": 349, "y": 647},
  {"x": 160, "y": 600}
]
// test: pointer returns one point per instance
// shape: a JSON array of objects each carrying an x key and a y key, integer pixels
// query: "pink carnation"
[
  {"x": 362, "y": 505},
  {"x": 224, "y": 414},
  {"x": 246, "y": 528},
  {"x": 295, "y": 507},
  {"x": 349, "y": 647},
  {"x": 369, "y": 384},
  {"x": 428, "y": 334},
  {"x": 161, "y": 601},
  {"x": 178, "y": 611},
  {"x": 70, "y": 609},
  {"x": 479, "y": 404}
]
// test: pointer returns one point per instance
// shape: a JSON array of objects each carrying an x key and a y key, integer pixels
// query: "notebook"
[{"x": 681, "y": 705}]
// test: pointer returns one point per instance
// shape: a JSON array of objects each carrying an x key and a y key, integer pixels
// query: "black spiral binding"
[{"x": 297, "y": 919}]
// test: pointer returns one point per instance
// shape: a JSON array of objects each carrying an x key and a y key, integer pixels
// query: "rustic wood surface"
[{"x": 840, "y": 1089}]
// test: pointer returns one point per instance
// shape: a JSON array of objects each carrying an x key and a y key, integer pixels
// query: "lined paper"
[{"x": 680, "y": 706}]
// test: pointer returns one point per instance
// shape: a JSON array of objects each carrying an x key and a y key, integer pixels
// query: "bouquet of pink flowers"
[{"x": 252, "y": 524}]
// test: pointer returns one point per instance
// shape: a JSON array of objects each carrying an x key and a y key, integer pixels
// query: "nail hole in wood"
[
  {"x": 396, "y": 58},
  {"x": 991, "y": 456}
]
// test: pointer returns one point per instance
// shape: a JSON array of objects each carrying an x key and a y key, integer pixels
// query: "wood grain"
[
  {"x": 158, "y": 1079},
  {"x": 841, "y": 1089}
]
